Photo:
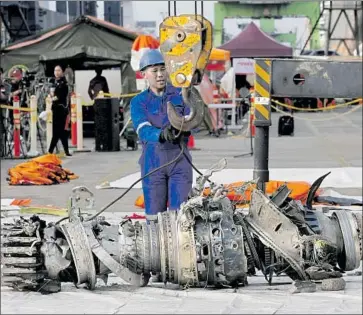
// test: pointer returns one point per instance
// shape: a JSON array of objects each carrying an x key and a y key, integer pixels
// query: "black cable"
[
  {"x": 128, "y": 189},
  {"x": 182, "y": 151},
  {"x": 191, "y": 163},
  {"x": 140, "y": 179}
]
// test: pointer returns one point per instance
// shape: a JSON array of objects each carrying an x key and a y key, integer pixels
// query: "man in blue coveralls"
[{"x": 160, "y": 144}]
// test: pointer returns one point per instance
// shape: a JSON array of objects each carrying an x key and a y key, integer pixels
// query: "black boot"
[{"x": 64, "y": 140}]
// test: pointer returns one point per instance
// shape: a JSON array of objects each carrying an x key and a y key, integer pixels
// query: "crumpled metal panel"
[
  {"x": 351, "y": 238},
  {"x": 330, "y": 230},
  {"x": 109, "y": 262},
  {"x": 325, "y": 79},
  {"x": 54, "y": 261},
  {"x": 81, "y": 251},
  {"x": 275, "y": 230}
]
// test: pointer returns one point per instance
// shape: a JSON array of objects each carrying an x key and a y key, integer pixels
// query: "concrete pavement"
[
  {"x": 319, "y": 142},
  {"x": 256, "y": 298}
]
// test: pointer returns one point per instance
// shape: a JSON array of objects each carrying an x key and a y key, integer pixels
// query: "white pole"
[
  {"x": 124, "y": 128},
  {"x": 213, "y": 76},
  {"x": 48, "y": 108},
  {"x": 79, "y": 123},
  {"x": 233, "y": 96},
  {"x": 33, "y": 126},
  {"x": 67, "y": 11}
]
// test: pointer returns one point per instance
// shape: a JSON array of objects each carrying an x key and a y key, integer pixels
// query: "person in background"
[
  {"x": 242, "y": 82},
  {"x": 4, "y": 99},
  {"x": 69, "y": 76},
  {"x": 17, "y": 87},
  {"x": 5, "y": 89},
  {"x": 97, "y": 84},
  {"x": 60, "y": 109},
  {"x": 243, "y": 87}
]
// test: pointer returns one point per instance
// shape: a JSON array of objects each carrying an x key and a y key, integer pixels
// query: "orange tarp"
[
  {"x": 21, "y": 202},
  {"x": 299, "y": 191},
  {"x": 145, "y": 41},
  {"x": 219, "y": 55},
  {"x": 43, "y": 170}
]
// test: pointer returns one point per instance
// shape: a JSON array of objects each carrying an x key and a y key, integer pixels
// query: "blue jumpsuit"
[{"x": 172, "y": 183}]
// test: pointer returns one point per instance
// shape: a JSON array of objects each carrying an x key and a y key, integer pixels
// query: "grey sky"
[{"x": 154, "y": 10}]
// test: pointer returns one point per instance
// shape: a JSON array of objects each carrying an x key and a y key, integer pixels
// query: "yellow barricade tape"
[
  {"x": 83, "y": 102},
  {"x": 108, "y": 95},
  {"x": 317, "y": 109},
  {"x": 120, "y": 95},
  {"x": 22, "y": 109},
  {"x": 321, "y": 119}
]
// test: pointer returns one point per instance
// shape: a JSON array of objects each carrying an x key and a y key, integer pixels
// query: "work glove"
[
  {"x": 181, "y": 135},
  {"x": 173, "y": 135},
  {"x": 167, "y": 134}
]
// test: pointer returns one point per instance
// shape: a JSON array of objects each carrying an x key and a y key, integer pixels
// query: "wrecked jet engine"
[{"x": 207, "y": 242}]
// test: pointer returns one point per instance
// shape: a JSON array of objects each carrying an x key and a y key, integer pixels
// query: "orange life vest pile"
[
  {"x": 299, "y": 191},
  {"x": 43, "y": 170}
]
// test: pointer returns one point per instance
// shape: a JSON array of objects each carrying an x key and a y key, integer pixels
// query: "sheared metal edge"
[
  {"x": 258, "y": 202},
  {"x": 109, "y": 262},
  {"x": 76, "y": 236}
]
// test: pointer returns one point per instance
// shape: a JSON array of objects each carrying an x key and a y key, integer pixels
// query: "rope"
[
  {"x": 317, "y": 109},
  {"x": 322, "y": 119}
]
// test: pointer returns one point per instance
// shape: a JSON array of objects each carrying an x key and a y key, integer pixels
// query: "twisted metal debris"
[{"x": 208, "y": 242}]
